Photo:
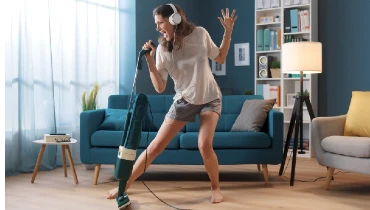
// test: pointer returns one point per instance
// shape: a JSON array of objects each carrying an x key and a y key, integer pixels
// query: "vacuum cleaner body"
[{"x": 130, "y": 142}]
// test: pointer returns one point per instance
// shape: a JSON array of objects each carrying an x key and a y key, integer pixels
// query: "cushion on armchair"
[
  {"x": 357, "y": 121},
  {"x": 347, "y": 145},
  {"x": 253, "y": 115},
  {"x": 114, "y": 119}
]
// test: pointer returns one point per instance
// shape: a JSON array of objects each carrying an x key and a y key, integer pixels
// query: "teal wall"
[
  {"x": 237, "y": 78},
  {"x": 346, "y": 52},
  {"x": 201, "y": 12},
  {"x": 342, "y": 31}
]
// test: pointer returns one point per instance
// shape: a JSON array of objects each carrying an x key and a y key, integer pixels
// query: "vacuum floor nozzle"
[{"x": 123, "y": 201}]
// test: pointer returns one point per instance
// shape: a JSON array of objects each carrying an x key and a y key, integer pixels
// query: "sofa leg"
[
  {"x": 265, "y": 173},
  {"x": 96, "y": 176},
  {"x": 329, "y": 176},
  {"x": 259, "y": 167}
]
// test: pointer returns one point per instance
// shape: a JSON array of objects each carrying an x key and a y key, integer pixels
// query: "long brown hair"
[{"x": 183, "y": 29}]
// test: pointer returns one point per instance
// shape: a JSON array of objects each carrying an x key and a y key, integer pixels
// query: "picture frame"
[
  {"x": 241, "y": 54},
  {"x": 218, "y": 69},
  {"x": 290, "y": 99}
]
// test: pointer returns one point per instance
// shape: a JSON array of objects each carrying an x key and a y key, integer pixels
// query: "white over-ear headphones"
[{"x": 175, "y": 18}]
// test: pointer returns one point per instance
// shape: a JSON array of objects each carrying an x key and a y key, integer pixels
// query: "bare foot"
[
  {"x": 111, "y": 194},
  {"x": 217, "y": 196}
]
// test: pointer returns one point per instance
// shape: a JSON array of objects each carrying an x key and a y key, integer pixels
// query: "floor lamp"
[{"x": 299, "y": 58}]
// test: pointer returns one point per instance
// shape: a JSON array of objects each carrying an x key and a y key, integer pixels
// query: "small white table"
[{"x": 65, "y": 148}]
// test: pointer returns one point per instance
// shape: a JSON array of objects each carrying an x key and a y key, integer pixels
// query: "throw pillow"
[
  {"x": 358, "y": 115},
  {"x": 114, "y": 119},
  {"x": 253, "y": 115}
]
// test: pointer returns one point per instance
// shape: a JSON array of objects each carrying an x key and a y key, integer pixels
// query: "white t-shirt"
[{"x": 191, "y": 73}]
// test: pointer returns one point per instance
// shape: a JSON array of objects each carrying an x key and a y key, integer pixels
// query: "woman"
[{"x": 183, "y": 53}]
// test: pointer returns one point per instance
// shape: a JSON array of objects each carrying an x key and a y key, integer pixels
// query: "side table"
[{"x": 65, "y": 148}]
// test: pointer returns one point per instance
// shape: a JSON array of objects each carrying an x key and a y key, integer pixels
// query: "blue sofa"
[{"x": 99, "y": 144}]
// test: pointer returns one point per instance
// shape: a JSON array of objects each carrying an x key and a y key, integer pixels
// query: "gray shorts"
[{"x": 183, "y": 110}]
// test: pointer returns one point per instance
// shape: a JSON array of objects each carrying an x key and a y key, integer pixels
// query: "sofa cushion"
[
  {"x": 228, "y": 140},
  {"x": 348, "y": 146},
  {"x": 224, "y": 123},
  {"x": 157, "y": 110},
  {"x": 105, "y": 138},
  {"x": 118, "y": 101},
  {"x": 253, "y": 115},
  {"x": 145, "y": 140},
  {"x": 114, "y": 119},
  {"x": 357, "y": 120}
]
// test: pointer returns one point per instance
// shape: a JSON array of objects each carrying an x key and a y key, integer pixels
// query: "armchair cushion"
[
  {"x": 348, "y": 146},
  {"x": 357, "y": 122},
  {"x": 253, "y": 115},
  {"x": 114, "y": 119}
]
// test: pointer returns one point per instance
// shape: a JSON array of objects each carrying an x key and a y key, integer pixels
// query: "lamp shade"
[{"x": 301, "y": 56}]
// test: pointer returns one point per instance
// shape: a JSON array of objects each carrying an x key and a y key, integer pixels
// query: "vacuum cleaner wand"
[{"x": 137, "y": 110}]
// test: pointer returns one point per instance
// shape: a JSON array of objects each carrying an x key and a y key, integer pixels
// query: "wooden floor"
[{"x": 187, "y": 187}]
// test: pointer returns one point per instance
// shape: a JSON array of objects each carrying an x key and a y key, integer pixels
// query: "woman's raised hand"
[{"x": 227, "y": 21}]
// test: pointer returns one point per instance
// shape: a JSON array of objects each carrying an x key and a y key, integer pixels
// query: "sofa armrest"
[
  {"x": 275, "y": 129},
  {"x": 89, "y": 123},
  {"x": 323, "y": 127}
]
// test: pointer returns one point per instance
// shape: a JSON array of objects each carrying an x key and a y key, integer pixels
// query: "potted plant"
[
  {"x": 90, "y": 103},
  {"x": 248, "y": 92},
  {"x": 277, "y": 18},
  {"x": 305, "y": 93},
  {"x": 275, "y": 69}
]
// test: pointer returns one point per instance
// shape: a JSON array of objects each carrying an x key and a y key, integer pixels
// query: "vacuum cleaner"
[
  {"x": 127, "y": 149},
  {"x": 137, "y": 110}
]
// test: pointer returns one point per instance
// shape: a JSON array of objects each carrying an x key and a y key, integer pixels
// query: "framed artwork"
[
  {"x": 242, "y": 57},
  {"x": 218, "y": 69},
  {"x": 290, "y": 99}
]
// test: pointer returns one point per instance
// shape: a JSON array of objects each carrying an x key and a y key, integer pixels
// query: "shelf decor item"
[
  {"x": 275, "y": 69},
  {"x": 299, "y": 58}
]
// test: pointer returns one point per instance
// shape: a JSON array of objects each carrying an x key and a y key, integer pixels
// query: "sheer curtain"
[{"x": 54, "y": 51}]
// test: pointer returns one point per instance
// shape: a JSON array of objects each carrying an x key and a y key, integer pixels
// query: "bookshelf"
[{"x": 271, "y": 19}]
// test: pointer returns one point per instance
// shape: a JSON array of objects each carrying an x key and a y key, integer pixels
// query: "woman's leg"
[
  {"x": 208, "y": 122},
  {"x": 165, "y": 134}
]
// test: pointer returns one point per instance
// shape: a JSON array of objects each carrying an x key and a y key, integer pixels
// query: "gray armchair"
[{"x": 336, "y": 151}]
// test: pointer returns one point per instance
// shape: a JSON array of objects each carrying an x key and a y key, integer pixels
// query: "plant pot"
[{"x": 275, "y": 73}]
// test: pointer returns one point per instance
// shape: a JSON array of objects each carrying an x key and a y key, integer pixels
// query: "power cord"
[
  {"x": 146, "y": 158},
  {"x": 322, "y": 177}
]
